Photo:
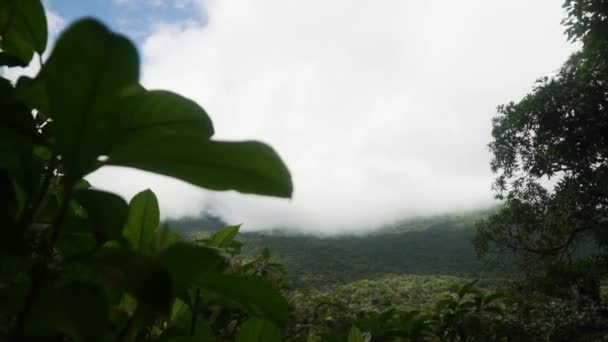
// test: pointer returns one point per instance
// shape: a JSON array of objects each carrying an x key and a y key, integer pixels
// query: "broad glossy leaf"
[
  {"x": 84, "y": 77},
  {"x": 142, "y": 221},
  {"x": 225, "y": 236},
  {"x": 106, "y": 213},
  {"x": 162, "y": 113},
  {"x": 253, "y": 294},
  {"x": 76, "y": 310},
  {"x": 26, "y": 31},
  {"x": 186, "y": 263},
  {"x": 248, "y": 167},
  {"x": 257, "y": 330}
]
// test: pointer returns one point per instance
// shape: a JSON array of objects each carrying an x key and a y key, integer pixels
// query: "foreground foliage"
[{"x": 81, "y": 264}]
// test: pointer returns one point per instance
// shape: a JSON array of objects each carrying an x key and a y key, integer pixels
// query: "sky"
[{"x": 381, "y": 109}]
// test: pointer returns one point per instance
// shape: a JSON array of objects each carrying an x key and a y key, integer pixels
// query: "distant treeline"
[{"x": 433, "y": 245}]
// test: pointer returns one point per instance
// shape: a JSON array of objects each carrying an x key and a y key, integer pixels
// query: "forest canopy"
[{"x": 551, "y": 152}]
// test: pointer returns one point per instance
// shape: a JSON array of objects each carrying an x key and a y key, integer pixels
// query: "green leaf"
[
  {"x": 248, "y": 167},
  {"x": 86, "y": 73},
  {"x": 142, "y": 221},
  {"x": 26, "y": 31},
  {"x": 32, "y": 92},
  {"x": 181, "y": 321},
  {"x": 254, "y": 294},
  {"x": 78, "y": 310},
  {"x": 257, "y": 330},
  {"x": 18, "y": 137},
  {"x": 76, "y": 237},
  {"x": 163, "y": 237},
  {"x": 225, "y": 236},
  {"x": 186, "y": 263},
  {"x": 495, "y": 296},
  {"x": 141, "y": 276},
  {"x": 355, "y": 335},
  {"x": 467, "y": 288},
  {"x": 106, "y": 213},
  {"x": 161, "y": 113}
]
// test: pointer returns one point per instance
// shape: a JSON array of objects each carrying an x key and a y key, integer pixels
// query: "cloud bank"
[{"x": 381, "y": 110}]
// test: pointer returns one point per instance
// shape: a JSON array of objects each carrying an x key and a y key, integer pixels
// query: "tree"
[{"x": 550, "y": 153}]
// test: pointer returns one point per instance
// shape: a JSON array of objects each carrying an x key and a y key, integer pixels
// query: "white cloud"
[
  {"x": 55, "y": 22},
  {"x": 380, "y": 109}
]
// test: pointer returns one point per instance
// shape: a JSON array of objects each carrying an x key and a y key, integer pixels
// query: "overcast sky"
[{"x": 381, "y": 109}]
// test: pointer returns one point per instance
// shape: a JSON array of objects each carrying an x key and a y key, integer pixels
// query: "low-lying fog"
[{"x": 381, "y": 110}]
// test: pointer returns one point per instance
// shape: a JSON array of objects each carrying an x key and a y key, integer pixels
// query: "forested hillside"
[
  {"x": 80, "y": 264},
  {"x": 425, "y": 245}
]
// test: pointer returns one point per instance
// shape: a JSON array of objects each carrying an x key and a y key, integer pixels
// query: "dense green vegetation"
[
  {"x": 80, "y": 264},
  {"x": 428, "y": 245},
  {"x": 556, "y": 132}
]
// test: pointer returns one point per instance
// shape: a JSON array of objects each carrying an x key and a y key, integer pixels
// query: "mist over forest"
[
  {"x": 303, "y": 171},
  {"x": 380, "y": 115}
]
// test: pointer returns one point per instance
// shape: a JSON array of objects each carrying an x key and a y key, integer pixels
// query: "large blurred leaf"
[
  {"x": 257, "y": 330},
  {"x": 254, "y": 294},
  {"x": 88, "y": 69},
  {"x": 224, "y": 237},
  {"x": 186, "y": 263},
  {"x": 32, "y": 93},
  {"x": 248, "y": 167},
  {"x": 106, "y": 213},
  {"x": 17, "y": 139},
  {"x": 77, "y": 310},
  {"x": 26, "y": 31},
  {"x": 14, "y": 247},
  {"x": 76, "y": 236},
  {"x": 161, "y": 113},
  {"x": 141, "y": 276},
  {"x": 102, "y": 220},
  {"x": 142, "y": 221}
]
